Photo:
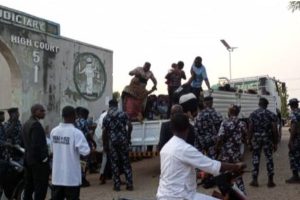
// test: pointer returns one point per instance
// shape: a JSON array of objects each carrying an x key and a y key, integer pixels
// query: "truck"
[{"x": 244, "y": 92}]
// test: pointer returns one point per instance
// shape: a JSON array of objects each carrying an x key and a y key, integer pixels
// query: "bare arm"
[
  {"x": 191, "y": 78},
  {"x": 238, "y": 167},
  {"x": 133, "y": 72},
  {"x": 207, "y": 83},
  {"x": 153, "y": 79}
]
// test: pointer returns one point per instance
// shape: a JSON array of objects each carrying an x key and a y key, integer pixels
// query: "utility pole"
[{"x": 229, "y": 49}]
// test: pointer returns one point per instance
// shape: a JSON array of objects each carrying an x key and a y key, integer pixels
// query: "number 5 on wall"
[{"x": 36, "y": 60}]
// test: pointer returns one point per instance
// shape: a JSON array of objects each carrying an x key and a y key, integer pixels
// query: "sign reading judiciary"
[{"x": 24, "y": 20}]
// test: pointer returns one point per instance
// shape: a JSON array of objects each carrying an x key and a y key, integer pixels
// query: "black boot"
[
  {"x": 271, "y": 182},
  {"x": 102, "y": 179},
  {"x": 254, "y": 182},
  {"x": 294, "y": 179}
]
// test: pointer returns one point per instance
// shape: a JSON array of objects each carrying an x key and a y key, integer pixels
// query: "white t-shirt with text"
[{"x": 67, "y": 144}]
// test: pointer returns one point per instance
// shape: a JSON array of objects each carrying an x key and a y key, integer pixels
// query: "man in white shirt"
[
  {"x": 178, "y": 163},
  {"x": 67, "y": 143},
  {"x": 98, "y": 139}
]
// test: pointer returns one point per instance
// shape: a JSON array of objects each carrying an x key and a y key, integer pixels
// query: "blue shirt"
[
  {"x": 262, "y": 120},
  {"x": 115, "y": 123},
  {"x": 200, "y": 75}
]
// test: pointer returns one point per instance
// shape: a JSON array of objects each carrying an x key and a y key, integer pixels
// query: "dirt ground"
[{"x": 146, "y": 177}]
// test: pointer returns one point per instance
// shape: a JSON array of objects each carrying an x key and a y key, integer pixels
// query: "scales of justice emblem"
[{"x": 89, "y": 76}]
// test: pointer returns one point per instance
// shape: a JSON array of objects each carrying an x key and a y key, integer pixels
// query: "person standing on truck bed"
[
  {"x": 116, "y": 141},
  {"x": 207, "y": 125},
  {"x": 174, "y": 77},
  {"x": 294, "y": 142},
  {"x": 135, "y": 94},
  {"x": 198, "y": 74},
  {"x": 262, "y": 135}
]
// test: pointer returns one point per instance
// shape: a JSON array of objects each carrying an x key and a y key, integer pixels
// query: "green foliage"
[
  {"x": 116, "y": 95},
  {"x": 284, "y": 100},
  {"x": 294, "y": 5}
]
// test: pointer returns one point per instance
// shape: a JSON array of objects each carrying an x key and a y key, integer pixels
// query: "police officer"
[
  {"x": 116, "y": 140},
  {"x": 262, "y": 135},
  {"x": 13, "y": 127},
  {"x": 2, "y": 118},
  {"x": 294, "y": 142},
  {"x": 81, "y": 123},
  {"x": 2, "y": 134},
  {"x": 231, "y": 136},
  {"x": 206, "y": 126}
]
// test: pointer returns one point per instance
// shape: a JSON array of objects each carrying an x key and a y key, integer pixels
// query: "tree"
[
  {"x": 294, "y": 5},
  {"x": 282, "y": 90},
  {"x": 116, "y": 95}
]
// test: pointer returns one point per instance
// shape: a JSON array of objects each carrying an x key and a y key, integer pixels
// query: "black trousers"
[
  {"x": 36, "y": 181},
  {"x": 65, "y": 192}
]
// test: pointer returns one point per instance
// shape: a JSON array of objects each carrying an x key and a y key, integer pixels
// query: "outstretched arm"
[
  {"x": 191, "y": 78},
  {"x": 133, "y": 72}
]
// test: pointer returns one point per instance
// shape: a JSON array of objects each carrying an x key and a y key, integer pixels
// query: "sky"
[{"x": 162, "y": 32}]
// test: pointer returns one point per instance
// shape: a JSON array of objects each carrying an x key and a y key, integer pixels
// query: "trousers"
[
  {"x": 119, "y": 157},
  {"x": 65, "y": 192},
  {"x": 265, "y": 144},
  {"x": 294, "y": 156},
  {"x": 36, "y": 181}
]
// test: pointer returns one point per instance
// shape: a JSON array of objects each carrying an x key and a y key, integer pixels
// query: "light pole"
[{"x": 229, "y": 49}]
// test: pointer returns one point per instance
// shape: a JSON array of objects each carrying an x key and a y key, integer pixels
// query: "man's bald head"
[
  {"x": 38, "y": 111},
  {"x": 176, "y": 109}
]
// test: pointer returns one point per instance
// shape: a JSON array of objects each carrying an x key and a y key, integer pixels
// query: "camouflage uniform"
[
  {"x": 115, "y": 123},
  {"x": 206, "y": 128},
  {"x": 13, "y": 132},
  {"x": 232, "y": 133},
  {"x": 2, "y": 139},
  {"x": 262, "y": 120},
  {"x": 294, "y": 154},
  {"x": 82, "y": 124}
]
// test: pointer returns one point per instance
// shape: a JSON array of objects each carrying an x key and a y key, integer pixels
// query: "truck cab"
[{"x": 245, "y": 92}]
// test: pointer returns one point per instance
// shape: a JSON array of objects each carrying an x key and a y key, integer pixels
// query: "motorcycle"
[
  {"x": 12, "y": 171},
  {"x": 225, "y": 183}
]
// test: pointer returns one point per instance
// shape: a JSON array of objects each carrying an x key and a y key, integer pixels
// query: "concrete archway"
[{"x": 11, "y": 79}]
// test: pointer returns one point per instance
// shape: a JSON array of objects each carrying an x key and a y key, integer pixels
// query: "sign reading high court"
[{"x": 39, "y": 66}]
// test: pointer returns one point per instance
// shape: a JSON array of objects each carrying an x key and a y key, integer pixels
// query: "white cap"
[{"x": 186, "y": 97}]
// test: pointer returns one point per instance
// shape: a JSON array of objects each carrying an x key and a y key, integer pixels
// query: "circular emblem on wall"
[{"x": 89, "y": 76}]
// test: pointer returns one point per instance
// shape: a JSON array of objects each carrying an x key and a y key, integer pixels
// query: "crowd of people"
[
  {"x": 207, "y": 138},
  {"x": 195, "y": 137}
]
